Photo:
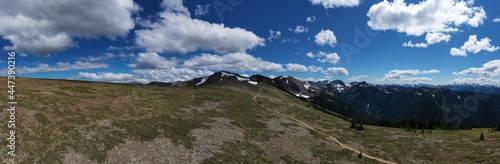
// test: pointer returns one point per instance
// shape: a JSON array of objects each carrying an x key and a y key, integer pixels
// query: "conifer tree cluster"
[
  {"x": 412, "y": 123},
  {"x": 357, "y": 124}
]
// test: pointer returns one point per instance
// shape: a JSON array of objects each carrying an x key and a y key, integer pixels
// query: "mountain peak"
[{"x": 218, "y": 77}]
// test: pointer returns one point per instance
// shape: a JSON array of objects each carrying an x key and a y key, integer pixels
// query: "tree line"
[{"x": 422, "y": 123}]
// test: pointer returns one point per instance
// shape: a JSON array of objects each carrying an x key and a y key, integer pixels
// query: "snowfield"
[
  {"x": 307, "y": 85},
  {"x": 225, "y": 74},
  {"x": 202, "y": 81},
  {"x": 302, "y": 95},
  {"x": 252, "y": 82},
  {"x": 241, "y": 78}
]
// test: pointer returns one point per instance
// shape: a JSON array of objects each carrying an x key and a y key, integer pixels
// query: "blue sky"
[{"x": 394, "y": 41}]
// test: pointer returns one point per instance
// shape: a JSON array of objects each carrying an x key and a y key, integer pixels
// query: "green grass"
[
  {"x": 239, "y": 152},
  {"x": 95, "y": 141},
  {"x": 42, "y": 119},
  {"x": 288, "y": 159},
  {"x": 289, "y": 125},
  {"x": 329, "y": 156},
  {"x": 177, "y": 129}
]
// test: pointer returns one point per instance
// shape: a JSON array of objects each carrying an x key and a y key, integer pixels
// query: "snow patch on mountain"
[
  {"x": 340, "y": 88},
  {"x": 307, "y": 85},
  {"x": 202, "y": 81},
  {"x": 241, "y": 78},
  {"x": 246, "y": 79},
  {"x": 224, "y": 74},
  {"x": 302, "y": 95}
]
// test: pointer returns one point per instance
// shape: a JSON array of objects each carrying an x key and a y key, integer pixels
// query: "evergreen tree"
[
  {"x": 498, "y": 127},
  {"x": 360, "y": 127},
  {"x": 481, "y": 136},
  {"x": 353, "y": 124},
  {"x": 422, "y": 131},
  {"x": 360, "y": 155}
]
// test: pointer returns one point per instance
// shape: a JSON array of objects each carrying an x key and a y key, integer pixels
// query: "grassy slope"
[{"x": 82, "y": 122}]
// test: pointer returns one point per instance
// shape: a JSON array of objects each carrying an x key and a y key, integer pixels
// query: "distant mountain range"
[
  {"x": 391, "y": 102},
  {"x": 471, "y": 104},
  {"x": 477, "y": 88}
]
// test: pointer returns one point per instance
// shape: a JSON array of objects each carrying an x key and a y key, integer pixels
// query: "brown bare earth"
[{"x": 61, "y": 121}]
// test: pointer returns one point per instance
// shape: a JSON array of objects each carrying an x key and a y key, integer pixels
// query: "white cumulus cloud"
[
  {"x": 323, "y": 57},
  {"x": 418, "y": 45},
  {"x": 151, "y": 60},
  {"x": 475, "y": 46},
  {"x": 433, "y": 38},
  {"x": 497, "y": 19},
  {"x": 310, "y": 54},
  {"x": 430, "y": 38},
  {"x": 432, "y": 71},
  {"x": 311, "y": 19},
  {"x": 46, "y": 27},
  {"x": 479, "y": 80},
  {"x": 177, "y": 32},
  {"x": 332, "y": 58},
  {"x": 300, "y": 29},
  {"x": 314, "y": 68},
  {"x": 336, "y": 71},
  {"x": 172, "y": 74},
  {"x": 407, "y": 75},
  {"x": 436, "y": 18},
  {"x": 233, "y": 62},
  {"x": 325, "y": 37},
  {"x": 109, "y": 77},
  {"x": 489, "y": 69},
  {"x": 398, "y": 74},
  {"x": 425, "y": 17},
  {"x": 296, "y": 67}
]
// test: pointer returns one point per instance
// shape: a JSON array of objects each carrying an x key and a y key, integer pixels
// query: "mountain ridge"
[{"x": 370, "y": 102}]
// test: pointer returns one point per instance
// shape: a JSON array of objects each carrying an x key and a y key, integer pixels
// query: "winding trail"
[{"x": 329, "y": 136}]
